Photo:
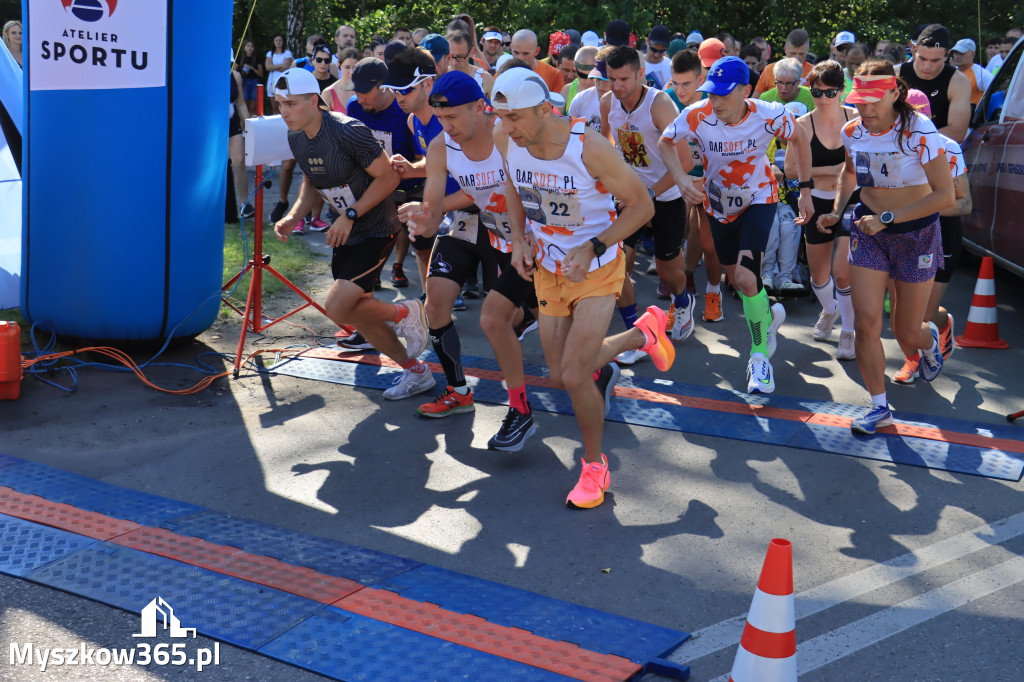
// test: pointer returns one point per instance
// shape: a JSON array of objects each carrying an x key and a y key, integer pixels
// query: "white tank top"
[
  {"x": 636, "y": 137},
  {"x": 484, "y": 182},
  {"x": 565, "y": 205}
]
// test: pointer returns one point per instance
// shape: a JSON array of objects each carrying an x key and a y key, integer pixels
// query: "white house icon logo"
[{"x": 170, "y": 621}]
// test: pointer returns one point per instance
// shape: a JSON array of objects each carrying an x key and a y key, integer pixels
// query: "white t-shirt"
[
  {"x": 994, "y": 63},
  {"x": 658, "y": 75},
  {"x": 277, "y": 58},
  {"x": 587, "y": 105},
  {"x": 736, "y": 169},
  {"x": 888, "y": 161}
]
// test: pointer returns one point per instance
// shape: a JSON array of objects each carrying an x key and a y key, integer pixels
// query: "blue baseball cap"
[
  {"x": 724, "y": 75},
  {"x": 436, "y": 45},
  {"x": 457, "y": 88}
]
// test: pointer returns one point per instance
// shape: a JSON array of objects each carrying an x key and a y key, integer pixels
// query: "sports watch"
[
  {"x": 599, "y": 247},
  {"x": 808, "y": 184},
  {"x": 887, "y": 218},
  {"x": 351, "y": 213}
]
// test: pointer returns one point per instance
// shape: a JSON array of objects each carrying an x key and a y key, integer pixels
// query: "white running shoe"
[
  {"x": 682, "y": 322},
  {"x": 630, "y": 357},
  {"x": 409, "y": 383},
  {"x": 778, "y": 317},
  {"x": 413, "y": 328},
  {"x": 760, "y": 378},
  {"x": 846, "y": 350},
  {"x": 823, "y": 327}
]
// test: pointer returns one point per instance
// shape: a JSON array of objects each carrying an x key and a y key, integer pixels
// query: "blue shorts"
[
  {"x": 912, "y": 256},
  {"x": 749, "y": 232},
  {"x": 249, "y": 89}
]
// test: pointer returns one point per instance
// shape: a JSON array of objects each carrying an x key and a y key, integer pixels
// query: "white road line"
[
  {"x": 815, "y": 600},
  {"x": 841, "y": 642}
]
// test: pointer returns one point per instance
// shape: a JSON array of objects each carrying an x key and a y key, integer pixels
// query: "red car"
[{"x": 994, "y": 153}]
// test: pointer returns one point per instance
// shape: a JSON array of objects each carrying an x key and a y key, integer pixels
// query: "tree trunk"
[{"x": 295, "y": 20}]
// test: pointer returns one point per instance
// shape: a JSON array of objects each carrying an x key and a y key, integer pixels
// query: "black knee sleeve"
[{"x": 754, "y": 265}]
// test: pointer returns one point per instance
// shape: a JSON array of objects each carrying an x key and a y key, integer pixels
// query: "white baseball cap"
[
  {"x": 965, "y": 45},
  {"x": 845, "y": 38},
  {"x": 590, "y": 39},
  {"x": 298, "y": 81},
  {"x": 695, "y": 38},
  {"x": 522, "y": 88},
  {"x": 492, "y": 35}
]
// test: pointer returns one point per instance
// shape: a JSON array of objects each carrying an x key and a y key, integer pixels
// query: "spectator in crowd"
[
  {"x": 344, "y": 37},
  {"x": 797, "y": 45},
  {"x": 236, "y": 148},
  {"x": 658, "y": 67},
  {"x": 766, "y": 51},
  {"x": 492, "y": 44},
  {"x": 856, "y": 54},
  {"x": 992, "y": 50},
  {"x": 962, "y": 57},
  {"x": 880, "y": 48},
  {"x": 278, "y": 60},
  {"x": 460, "y": 47},
  {"x": 438, "y": 47},
  {"x": 252, "y": 72},
  {"x": 377, "y": 45},
  {"x": 616, "y": 33},
  {"x": 583, "y": 65},
  {"x": 12, "y": 39},
  {"x": 307, "y": 61},
  {"x": 338, "y": 94},
  {"x": 751, "y": 54},
  {"x": 843, "y": 41},
  {"x": 788, "y": 89},
  {"x": 693, "y": 40},
  {"x": 418, "y": 35},
  {"x": 525, "y": 47},
  {"x": 403, "y": 35},
  {"x": 567, "y": 63}
]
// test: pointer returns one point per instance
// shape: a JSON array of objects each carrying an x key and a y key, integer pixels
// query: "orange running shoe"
[
  {"x": 713, "y": 308},
  {"x": 909, "y": 372},
  {"x": 589, "y": 491},
  {"x": 661, "y": 350},
  {"x": 448, "y": 403}
]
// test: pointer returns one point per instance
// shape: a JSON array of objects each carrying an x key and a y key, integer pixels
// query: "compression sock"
[
  {"x": 413, "y": 364},
  {"x": 629, "y": 315},
  {"x": 826, "y": 295},
  {"x": 401, "y": 312},
  {"x": 517, "y": 399},
  {"x": 448, "y": 348},
  {"x": 759, "y": 319},
  {"x": 845, "y": 302},
  {"x": 681, "y": 301}
]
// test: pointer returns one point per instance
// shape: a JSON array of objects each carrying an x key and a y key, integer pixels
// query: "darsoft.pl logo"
[{"x": 90, "y": 10}]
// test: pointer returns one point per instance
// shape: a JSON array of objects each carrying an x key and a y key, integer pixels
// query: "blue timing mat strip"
[{"x": 958, "y": 458}]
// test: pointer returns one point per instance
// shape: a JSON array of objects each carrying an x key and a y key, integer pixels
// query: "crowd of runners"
[{"x": 535, "y": 181}]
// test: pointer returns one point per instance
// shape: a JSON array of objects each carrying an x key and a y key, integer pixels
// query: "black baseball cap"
[
  {"x": 617, "y": 33},
  {"x": 369, "y": 73},
  {"x": 659, "y": 35},
  {"x": 935, "y": 35}
]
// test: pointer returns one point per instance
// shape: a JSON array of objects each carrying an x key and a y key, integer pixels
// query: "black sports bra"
[{"x": 821, "y": 155}]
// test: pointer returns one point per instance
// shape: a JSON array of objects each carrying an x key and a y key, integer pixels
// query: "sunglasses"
[
  {"x": 322, "y": 61},
  {"x": 656, "y": 50},
  {"x": 506, "y": 44},
  {"x": 818, "y": 92}
]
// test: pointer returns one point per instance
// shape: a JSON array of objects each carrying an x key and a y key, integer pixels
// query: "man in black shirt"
[
  {"x": 343, "y": 163},
  {"x": 948, "y": 90}
]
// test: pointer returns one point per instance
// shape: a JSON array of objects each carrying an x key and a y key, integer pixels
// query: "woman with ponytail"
[{"x": 896, "y": 156}]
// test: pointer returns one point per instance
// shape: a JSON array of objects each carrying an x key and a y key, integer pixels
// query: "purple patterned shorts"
[{"x": 907, "y": 256}]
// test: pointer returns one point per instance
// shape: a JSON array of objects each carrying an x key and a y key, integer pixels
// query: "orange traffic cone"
[
  {"x": 767, "y": 651},
  {"x": 982, "y": 329}
]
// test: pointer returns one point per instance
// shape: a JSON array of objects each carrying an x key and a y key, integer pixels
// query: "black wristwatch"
[
  {"x": 351, "y": 213},
  {"x": 887, "y": 218},
  {"x": 809, "y": 184},
  {"x": 599, "y": 247}
]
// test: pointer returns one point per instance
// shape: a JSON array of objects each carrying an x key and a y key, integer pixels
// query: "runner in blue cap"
[{"x": 740, "y": 191}]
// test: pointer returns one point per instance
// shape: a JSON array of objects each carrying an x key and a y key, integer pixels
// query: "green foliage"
[{"x": 870, "y": 20}]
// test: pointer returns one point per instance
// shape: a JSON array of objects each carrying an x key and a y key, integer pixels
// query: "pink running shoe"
[{"x": 589, "y": 491}]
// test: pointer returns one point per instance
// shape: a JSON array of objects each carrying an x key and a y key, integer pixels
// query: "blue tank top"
[
  {"x": 390, "y": 128},
  {"x": 426, "y": 133}
]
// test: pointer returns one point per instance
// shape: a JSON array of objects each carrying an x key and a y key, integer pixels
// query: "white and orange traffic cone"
[
  {"x": 982, "y": 329},
  {"x": 767, "y": 651}
]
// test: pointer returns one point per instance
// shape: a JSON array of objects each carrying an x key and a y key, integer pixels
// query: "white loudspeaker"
[{"x": 266, "y": 141}]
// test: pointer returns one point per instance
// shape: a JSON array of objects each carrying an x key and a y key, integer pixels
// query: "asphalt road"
[{"x": 901, "y": 572}]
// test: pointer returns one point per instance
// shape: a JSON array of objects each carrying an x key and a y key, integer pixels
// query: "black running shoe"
[
  {"x": 249, "y": 211},
  {"x": 398, "y": 278},
  {"x": 280, "y": 208},
  {"x": 514, "y": 431},
  {"x": 606, "y": 382},
  {"x": 471, "y": 289},
  {"x": 355, "y": 341}
]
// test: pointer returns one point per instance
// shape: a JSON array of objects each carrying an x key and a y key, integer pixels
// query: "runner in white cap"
[
  {"x": 344, "y": 163},
  {"x": 561, "y": 180}
]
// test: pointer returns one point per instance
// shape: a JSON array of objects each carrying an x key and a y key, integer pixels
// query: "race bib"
[
  {"x": 554, "y": 207},
  {"x": 497, "y": 224},
  {"x": 728, "y": 200},
  {"x": 340, "y": 198},
  {"x": 385, "y": 140},
  {"x": 879, "y": 170},
  {"x": 460, "y": 225}
]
